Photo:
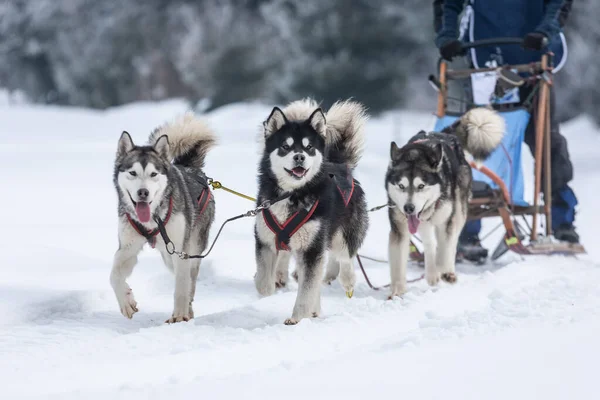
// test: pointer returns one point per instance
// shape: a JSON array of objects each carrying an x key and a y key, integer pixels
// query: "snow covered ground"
[{"x": 525, "y": 329}]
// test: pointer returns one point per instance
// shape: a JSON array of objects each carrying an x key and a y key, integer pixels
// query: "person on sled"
[{"x": 539, "y": 23}]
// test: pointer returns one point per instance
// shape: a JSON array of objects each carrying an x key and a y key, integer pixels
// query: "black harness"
[{"x": 283, "y": 232}]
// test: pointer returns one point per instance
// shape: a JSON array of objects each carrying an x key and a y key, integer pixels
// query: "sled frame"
[{"x": 499, "y": 203}]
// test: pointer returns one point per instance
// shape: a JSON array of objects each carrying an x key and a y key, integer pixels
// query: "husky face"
[
  {"x": 414, "y": 182},
  {"x": 141, "y": 175},
  {"x": 295, "y": 149}
]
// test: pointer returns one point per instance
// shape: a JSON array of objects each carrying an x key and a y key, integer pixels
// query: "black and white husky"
[
  {"x": 310, "y": 156},
  {"x": 163, "y": 179},
  {"x": 428, "y": 182}
]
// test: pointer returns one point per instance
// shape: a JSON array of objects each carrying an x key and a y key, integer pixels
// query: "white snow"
[{"x": 524, "y": 329}]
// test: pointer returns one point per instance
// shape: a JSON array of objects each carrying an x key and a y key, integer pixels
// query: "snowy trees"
[{"x": 103, "y": 53}]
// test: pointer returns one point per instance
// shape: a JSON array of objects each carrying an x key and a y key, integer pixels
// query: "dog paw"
[
  {"x": 180, "y": 318},
  {"x": 328, "y": 279},
  {"x": 449, "y": 277},
  {"x": 347, "y": 280},
  {"x": 281, "y": 279},
  {"x": 432, "y": 278},
  {"x": 290, "y": 321},
  {"x": 397, "y": 291},
  {"x": 128, "y": 305},
  {"x": 264, "y": 285},
  {"x": 280, "y": 282}
]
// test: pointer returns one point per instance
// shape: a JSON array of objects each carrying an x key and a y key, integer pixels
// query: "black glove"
[
  {"x": 535, "y": 41},
  {"x": 451, "y": 49}
]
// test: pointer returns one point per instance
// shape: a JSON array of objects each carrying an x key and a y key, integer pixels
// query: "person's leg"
[
  {"x": 563, "y": 197},
  {"x": 469, "y": 245}
]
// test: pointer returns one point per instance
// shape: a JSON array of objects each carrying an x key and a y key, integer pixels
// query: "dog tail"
[
  {"x": 480, "y": 131},
  {"x": 345, "y": 137},
  {"x": 190, "y": 139}
]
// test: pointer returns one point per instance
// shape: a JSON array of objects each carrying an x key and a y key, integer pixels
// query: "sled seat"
[{"x": 481, "y": 190}]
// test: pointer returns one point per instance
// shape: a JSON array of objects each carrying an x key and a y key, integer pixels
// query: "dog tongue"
[
  {"x": 413, "y": 224},
  {"x": 142, "y": 209},
  {"x": 299, "y": 171}
]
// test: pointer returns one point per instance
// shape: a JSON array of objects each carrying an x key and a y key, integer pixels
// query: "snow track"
[{"x": 525, "y": 329}]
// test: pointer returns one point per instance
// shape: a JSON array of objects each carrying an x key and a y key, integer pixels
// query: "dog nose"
[
  {"x": 143, "y": 194},
  {"x": 299, "y": 158},
  {"x": 409, "y": 208}
]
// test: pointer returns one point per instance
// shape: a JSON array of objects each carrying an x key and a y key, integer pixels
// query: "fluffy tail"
[
  {"x": 480, "y": 131},
  {"x": 345, "y": 137},
  {"x": 190, "y": 139}
]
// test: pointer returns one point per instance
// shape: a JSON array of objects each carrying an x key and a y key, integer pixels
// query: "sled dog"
[
  {"x": 163, "y": 179},
  {"x": 310, "y": 155},
  {"x": 428, "y": 183}
]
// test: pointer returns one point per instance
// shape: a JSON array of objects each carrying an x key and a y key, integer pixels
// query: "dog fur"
[
  {"x": 147, "y": 179},
  {"x": 428, "y": 182},
  {"x": 304, "y": 151}
]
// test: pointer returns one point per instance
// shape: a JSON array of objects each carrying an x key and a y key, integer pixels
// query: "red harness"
[
  {"x": 141, "y": 229},
  {"x": 284, "y": 232},
  {"x": 150, "y": 235}
]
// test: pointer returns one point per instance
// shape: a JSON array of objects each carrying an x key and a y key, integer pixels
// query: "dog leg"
[
  {"x": 282, "y": 271},
  {"x": 347, "y": 276},
  {"x": 194, "y": 277},
  {"x": 308, "y": 302},
  {"x": 447, "y": 238},
  {"x": 264, "y": 279},
  {"x": 398, "y": 251},
  {"x": 183, "y": 288},
  {"x": 432, "y": 274},
  {"x": 333, "y": 269},
  {"x": 124, "y": 260}
]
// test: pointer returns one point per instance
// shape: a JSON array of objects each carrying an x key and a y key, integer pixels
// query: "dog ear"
[
  {"x": 275, "y": 122},
  {"x": 125, "y": 144},
  {"x": 394, "y": 151},
  {"x": 318, "y": 123},
  {"x": 434, "y": 156},
  {"x": 161, "y": 146}
]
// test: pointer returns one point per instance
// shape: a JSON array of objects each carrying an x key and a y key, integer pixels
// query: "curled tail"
[
  {"x": 480, "y": 131},
  {"x": 190, "y": 139},
  {"x": 345, "y": 136}
]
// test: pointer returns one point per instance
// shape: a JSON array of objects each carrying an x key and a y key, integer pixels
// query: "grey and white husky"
[
  {"x": 163, "y": 179},
  {"x": 428, "y": 183},
  {"x": 310, "y": 156}
]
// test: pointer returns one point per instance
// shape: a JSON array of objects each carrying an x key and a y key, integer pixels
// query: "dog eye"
[
  {"x": 132, "y": 173},
  {"x": 152, "y": 175},
  {"x": 310, "y": 146},
  {"x": 421, "y": 186},
  {"x": 285, "y": 147},
  {"x": 401, "y": 186}
]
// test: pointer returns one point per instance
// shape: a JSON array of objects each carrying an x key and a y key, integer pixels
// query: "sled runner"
[{"x": 498, "y": 184}]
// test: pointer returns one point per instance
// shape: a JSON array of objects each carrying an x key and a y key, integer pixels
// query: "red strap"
[
  {"x": 346, "y": 197},
  {"x": 206, "y": 199},
  {"x": 281, "y": 237},
  {"x": 149, "y": 235},
  {"x": 305, "y": 220}
]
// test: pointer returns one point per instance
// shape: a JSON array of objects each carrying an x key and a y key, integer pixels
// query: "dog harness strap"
[
  {"x": 344, "y": 182},
  {"x": 150, "y": 235},
  {"x": 283, "y": 233},
  {"x": 203, "y": 200}
]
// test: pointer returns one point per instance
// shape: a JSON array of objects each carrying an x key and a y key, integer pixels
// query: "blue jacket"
[{"x": 503, "y": 18}]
